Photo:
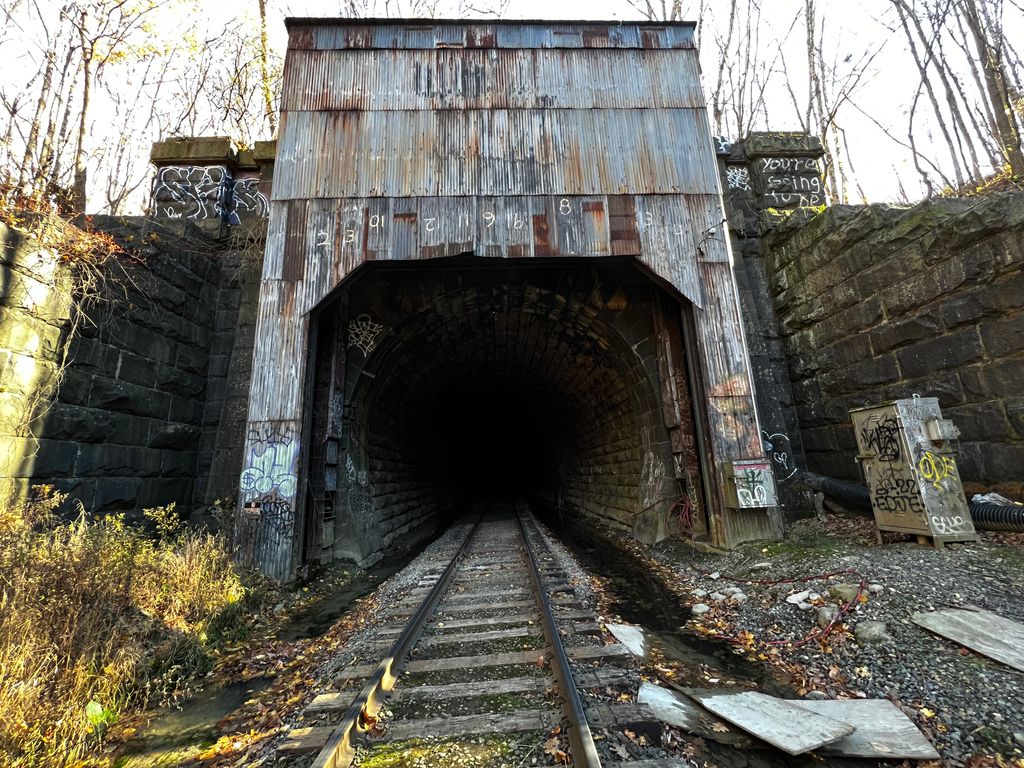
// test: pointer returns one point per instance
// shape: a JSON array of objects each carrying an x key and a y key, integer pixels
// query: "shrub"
[{"x": 96, "y": 617}]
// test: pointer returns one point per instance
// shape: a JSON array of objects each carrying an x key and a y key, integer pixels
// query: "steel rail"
[
  {"x": 339, "y": 750},
  {"x": 581, "y": 740}
]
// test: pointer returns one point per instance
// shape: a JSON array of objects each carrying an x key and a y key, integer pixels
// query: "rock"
[
  {"x": 813, "y": 596},
  {"x": 699, "y": 608},
  {"x": 804, "y": 606},
  {"x": 799, "y": 597},
  {"x": 1019, "y": 738},
  {"x": 717, "y": 597},
  {"x": 816, "y": 695},
  {"x": 715, "y": 575},
  {"x": 872, "y": 633},
  {"x": 699, "y": 592},
  {"x": 826, "y": 614},
  {"x": 845, "y": 592},
  {"x": 876, "y": 589},
  {"x": 730, "y": 591},
  {"x": 760, "y": 566},
  {"x": 739, "y": 598}
]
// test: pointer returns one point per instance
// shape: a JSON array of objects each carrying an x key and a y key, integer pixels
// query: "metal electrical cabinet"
[{"x": 906, "y": 451}]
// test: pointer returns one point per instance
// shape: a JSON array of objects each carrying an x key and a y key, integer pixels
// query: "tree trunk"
[
  {"x": 268, "y": 101},
  {"x": 995, "y": 87},
  {"x": 78, "y": 194}
]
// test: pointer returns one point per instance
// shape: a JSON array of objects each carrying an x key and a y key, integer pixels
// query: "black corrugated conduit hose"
[{"x": 988, "y": 517}]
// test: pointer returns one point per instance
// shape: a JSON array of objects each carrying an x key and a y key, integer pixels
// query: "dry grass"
[{"x": 97, "y": 617}]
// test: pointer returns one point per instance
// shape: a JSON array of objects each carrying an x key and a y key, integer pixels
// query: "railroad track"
[{"x": 491, "y": 658}]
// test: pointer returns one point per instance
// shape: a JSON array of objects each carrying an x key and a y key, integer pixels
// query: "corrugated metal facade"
[{"x": 417, "y": 140}]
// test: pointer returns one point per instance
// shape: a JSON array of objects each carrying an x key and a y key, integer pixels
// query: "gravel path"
[{"x": 971, "y": 707}]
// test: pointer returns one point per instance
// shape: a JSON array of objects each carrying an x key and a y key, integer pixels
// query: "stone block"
[
  {"x": 54, "y": 458},
  {"x": 877, "y": 371},
  {"x": 104, "y": 459},
  {"x": 990, "y": 300},
  {"x": 853, "y": 349},
  {"x": 178, "y": 463},
  {"x": 63, "y": 421},
  {"x": 1015, "y": 414},
  {"x": 192, "y": 360},
  {"x": 947, "y": 387},
  {"x": 178, "y": 382},
  {"x": 75, "y": 387},
  {"x": 116, "y": 493},
  {"x": 172, "y": 435},
  {"x": 820, "y": 439},
  {"x": 993, "y": 380},
  {"x": 855, "y": 319},
  {"x": 136, "y": 370},
  {"x": 908, "y": 296},
  {"x": 159, "y": 492},
  {"x": 128, "y": 398},
  {"x": 821, "y": 412},
  {"x": 1004, "y": 335},
  {"x": 898, "y": 333},
  {"x": 941, "y": 353},
  {"x": 979, "y": 422},
  {"x": 1002, "y": 461},
  {"x": 185, "y": 410}
]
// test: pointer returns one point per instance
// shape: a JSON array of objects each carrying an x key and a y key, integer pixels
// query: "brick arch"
[{"x": 506, "y": 389}]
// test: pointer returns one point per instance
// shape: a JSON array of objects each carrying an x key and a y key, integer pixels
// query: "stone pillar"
[
  {"x": 768, "y": 177},
  {"x": 205, "y": 180}
]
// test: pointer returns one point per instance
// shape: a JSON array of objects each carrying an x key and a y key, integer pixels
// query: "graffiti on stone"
[
  {"x": 272, "y": 463},
  {"x": 207, "y": 193},
  {"x": 249, "y": 200},
  {"x": 722, "y": 145},
  {"x": 362, "y": 333},
  {"x": 737, "y": 177},
  {"x": 779, "y": 450}
]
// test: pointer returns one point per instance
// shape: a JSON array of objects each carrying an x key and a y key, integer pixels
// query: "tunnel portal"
[
  {"x": 551, "y": 156},
  {"x": 538, "y": 382}
]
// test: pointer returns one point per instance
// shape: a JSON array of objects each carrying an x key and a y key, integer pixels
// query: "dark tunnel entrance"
[{"x": 465, "y": 382}]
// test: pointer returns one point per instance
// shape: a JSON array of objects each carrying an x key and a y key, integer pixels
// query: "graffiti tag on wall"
[
  {"x": 780, "y": 451},
  {"x": 271, "y": 464},
  {"x": 362, "y": 333},
  {"x": 207, "y": 193}
]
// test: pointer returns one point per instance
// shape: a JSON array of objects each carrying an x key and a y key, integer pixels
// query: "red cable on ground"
[{"x": 817, "y": 632}]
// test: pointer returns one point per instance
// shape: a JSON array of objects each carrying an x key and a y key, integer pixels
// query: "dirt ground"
[{"x": 774, "y": 603}]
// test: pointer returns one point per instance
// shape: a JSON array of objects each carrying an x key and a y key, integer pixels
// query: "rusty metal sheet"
[
  {"x": 281, "y": 328},
  {"x": 325, "y": 240},
  {"x": 480, "y": 152},
  {"x": 386, "y": 80},
  {"x": 406, "y": 34}
]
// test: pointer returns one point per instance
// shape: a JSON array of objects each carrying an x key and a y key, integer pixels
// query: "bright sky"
[
  {"x": 882, "y": 99},
  {"x": 881, "y": 166}
]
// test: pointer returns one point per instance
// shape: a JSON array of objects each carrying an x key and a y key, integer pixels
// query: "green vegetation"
[{"x": 97, "y": 617}]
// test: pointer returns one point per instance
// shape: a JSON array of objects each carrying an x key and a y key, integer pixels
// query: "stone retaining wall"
[
  {"x": 135, "y": 419},
  {"x": 881, "y": 302}
]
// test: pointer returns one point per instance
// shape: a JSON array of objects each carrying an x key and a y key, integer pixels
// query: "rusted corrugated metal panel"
[
  {"x": 326, "y": 240},
  {"x": 325, "y": 34},
  {"x": 387, "y": 80},
  {"x": 280, "y": 352},
  {"x": 494, "y": 152}
]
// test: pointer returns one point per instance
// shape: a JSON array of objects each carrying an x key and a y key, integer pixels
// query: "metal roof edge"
[{"x": 338, "y": 21}]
